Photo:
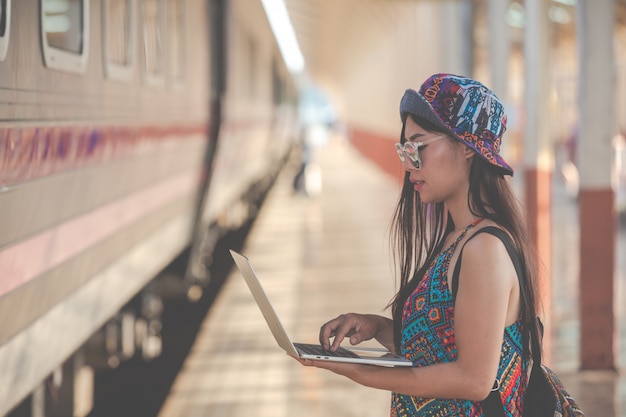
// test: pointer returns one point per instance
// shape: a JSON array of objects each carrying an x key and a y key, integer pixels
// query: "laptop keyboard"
[{"x": 318, "y": 350}]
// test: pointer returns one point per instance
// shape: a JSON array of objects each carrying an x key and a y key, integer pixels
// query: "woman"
[{"x": 464, "y": 344}]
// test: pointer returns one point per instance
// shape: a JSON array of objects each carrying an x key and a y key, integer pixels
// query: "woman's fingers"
[
  {"x": 339, "y": 328},
  {"x": 328, "y": 331}
]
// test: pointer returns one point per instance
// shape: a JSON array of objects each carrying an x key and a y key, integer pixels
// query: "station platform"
[{"x": 319, "y": 256}]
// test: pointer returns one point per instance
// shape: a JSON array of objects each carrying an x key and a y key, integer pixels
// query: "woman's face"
[{"x": 444, "y": 172}]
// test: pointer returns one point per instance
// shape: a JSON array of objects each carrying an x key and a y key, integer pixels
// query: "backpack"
[{"x": 545, "y": 395}]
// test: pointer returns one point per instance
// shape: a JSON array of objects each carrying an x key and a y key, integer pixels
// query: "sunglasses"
[{"x": 411, "y": 150}]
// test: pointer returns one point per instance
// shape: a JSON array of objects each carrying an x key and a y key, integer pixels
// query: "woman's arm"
[{"x": 446, "y": 380}]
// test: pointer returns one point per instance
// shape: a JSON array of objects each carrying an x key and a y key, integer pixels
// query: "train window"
[
  {"x": 176, "y": 41},
  {"x": 65, "y": 34},
  {"x": 5, "y": 27},
  {"x": 118, "y": 17},
  {"x": 153, "y": 24}
]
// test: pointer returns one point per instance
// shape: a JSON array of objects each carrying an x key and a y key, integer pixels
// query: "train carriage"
[{"x": 127, "y": 136}]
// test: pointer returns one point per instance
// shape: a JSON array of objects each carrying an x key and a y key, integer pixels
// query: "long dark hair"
[{"x": 418, "y": 232}]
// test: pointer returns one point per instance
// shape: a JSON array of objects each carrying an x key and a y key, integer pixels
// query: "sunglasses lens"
[
  {"x": 400, "y": 151},
  {"x": 411, "y": 151}
]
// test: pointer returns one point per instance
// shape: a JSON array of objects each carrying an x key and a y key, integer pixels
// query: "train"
[{"x": 131, "y": 131}]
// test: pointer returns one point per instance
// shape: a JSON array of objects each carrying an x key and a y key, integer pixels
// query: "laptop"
[{"x": 364, "y": 355}]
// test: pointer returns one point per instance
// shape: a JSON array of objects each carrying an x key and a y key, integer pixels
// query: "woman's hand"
[
  {"x": 347, "y": 369},
  {"x": 358, "y": 327}
]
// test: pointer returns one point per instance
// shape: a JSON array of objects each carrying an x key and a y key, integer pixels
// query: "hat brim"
[{"x": 415, "y": 104}]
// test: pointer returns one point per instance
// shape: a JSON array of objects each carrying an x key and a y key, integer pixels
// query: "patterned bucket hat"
[{"x": 463, "y": 108}]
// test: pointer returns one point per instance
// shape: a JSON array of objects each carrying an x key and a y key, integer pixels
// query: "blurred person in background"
[{"x": 304, "y": 147}]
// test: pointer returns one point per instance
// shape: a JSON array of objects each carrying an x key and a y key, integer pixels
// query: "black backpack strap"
[
  {"x": 492, "y": 405},
  {"x": 510, "y": 248}
]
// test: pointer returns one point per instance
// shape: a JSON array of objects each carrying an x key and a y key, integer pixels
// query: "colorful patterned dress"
[{"x": 428, "y": 338}]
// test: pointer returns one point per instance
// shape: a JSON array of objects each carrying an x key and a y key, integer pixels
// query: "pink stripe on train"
[{"x": 27, "y": 153}]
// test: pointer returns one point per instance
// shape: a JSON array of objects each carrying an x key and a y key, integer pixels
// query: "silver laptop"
[{"x": 371, "y": 356}]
